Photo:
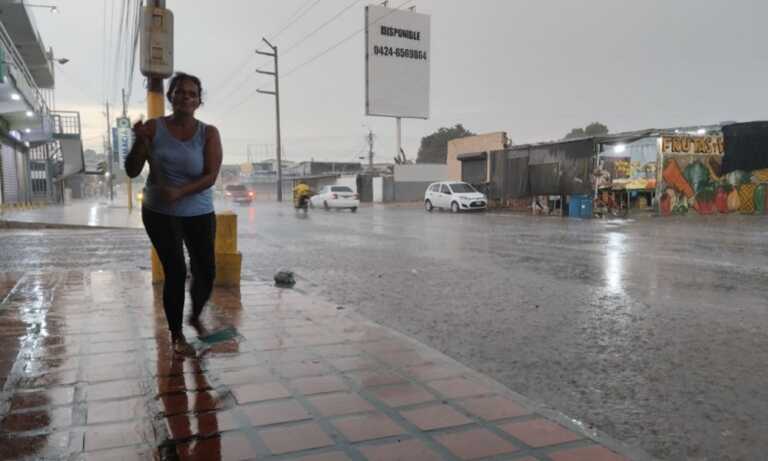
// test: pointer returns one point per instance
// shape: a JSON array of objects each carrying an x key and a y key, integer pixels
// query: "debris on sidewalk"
[{"x": 285, "y": 279}]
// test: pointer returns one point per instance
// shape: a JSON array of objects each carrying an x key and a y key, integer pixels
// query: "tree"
[
  {"x": 593, "y": 129},
  {"x": 434, "y": 148}
]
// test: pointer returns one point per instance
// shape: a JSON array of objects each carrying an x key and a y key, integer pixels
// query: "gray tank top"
[{"x": 176, "y": 163}]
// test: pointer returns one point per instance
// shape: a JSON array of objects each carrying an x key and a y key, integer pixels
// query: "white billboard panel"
[
  {"x": 72, "y": 154},
  {"x": 397, "y": 62}
]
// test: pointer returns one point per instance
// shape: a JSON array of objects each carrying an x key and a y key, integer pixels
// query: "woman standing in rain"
[{"x": 184, "y": 157}]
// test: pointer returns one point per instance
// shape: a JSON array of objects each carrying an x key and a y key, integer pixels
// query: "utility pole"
[
  {"x": 110, "y": 156},
  {"x": 155, "y": 87},
  {"x": 128, "y": 182},
  {"x": 276, "y": 94},
  {"x": 156, "y": 55},
  {"x": 370, "y": 150}
]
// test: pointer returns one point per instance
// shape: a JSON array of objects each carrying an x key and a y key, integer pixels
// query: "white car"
[
  {"x": 335, "y": 197},
  {"x": 454, "y": 195}
]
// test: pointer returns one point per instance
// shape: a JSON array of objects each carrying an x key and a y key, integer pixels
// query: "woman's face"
[{"x": 185, "y": 97}]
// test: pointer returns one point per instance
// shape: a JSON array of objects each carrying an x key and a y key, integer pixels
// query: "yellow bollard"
[
  {"x": 229, "y": 261},
  {"x": 157, "y": 268}
]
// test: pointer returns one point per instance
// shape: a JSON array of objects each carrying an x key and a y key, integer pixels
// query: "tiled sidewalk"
[{"x": 93, "y": 378}]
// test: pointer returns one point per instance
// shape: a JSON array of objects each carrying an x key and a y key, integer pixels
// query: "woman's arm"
[{"x": 142, "y": 145}]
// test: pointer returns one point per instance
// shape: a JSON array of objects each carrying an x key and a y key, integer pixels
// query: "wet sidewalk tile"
[{"x": 89, "y": 373}]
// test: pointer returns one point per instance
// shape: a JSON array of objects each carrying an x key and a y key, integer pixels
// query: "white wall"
[
  {"x": 348, "y": 180},
  {"x": 421, "y": 172}
]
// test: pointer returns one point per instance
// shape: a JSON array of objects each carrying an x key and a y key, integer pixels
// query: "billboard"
[
  {"x": 397, "y": 60},
  {"x": 72, "y": 156}
]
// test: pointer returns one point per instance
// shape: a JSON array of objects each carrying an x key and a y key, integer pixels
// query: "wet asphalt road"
[{"x": 653, "y": 331}]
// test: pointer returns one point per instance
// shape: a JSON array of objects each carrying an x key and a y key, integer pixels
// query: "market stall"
[
  {"x": 715, "y": 174},
  {"x": 625, "y": 179}
]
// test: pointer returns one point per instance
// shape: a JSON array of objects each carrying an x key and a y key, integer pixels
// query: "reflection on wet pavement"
[{"x": 95, "y": 377}]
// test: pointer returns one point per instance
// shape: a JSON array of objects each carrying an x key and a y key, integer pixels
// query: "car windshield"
[
  {"x": 340, "y": 189},
  {"x": 462, "y": 188},
  {"x": 235, "y": 188}
]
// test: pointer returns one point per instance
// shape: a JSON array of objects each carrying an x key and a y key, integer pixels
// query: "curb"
[{"x": 6, "y": 224}]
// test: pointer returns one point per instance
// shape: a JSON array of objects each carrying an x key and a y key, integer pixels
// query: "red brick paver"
[
  {"x": 476, "y": 443},
  {"x": 303, "y": 381},
  {"x": 400, "y": 451},
  {"x": 586, "y": 454},
  {"x": 540, "y": 432},
  {"x": 374, "y": 426}
]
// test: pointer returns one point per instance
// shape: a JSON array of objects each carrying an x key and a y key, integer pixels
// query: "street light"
[
  {"x": 62, "y": 61},
  {"x": 54, "y": 9}
]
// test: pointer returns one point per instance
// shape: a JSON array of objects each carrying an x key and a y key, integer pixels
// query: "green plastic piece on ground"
[{"x": 220, "y": 336}]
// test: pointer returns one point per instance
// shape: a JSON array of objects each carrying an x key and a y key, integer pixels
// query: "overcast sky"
[{"x": 532, "y": 68}]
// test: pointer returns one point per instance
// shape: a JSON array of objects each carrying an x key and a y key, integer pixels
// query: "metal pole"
[
  {"x": 279, "y": 145},
  {"x": 156, "y": 109},
  {"x": 399, "y": 137},
  {"x": 128, "y": 180},
  {"x": 370, "y": 150},
  {"x": 110, "y": 155},
  {"x": 276, "y": 94}
]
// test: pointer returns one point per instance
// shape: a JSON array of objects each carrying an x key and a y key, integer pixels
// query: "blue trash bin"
[
  {"x": 580, "y": 206},
  {"x": 586, "y": 207}
]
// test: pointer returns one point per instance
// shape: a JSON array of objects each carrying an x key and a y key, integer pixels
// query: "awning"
[{"x": 472, "y": 156}]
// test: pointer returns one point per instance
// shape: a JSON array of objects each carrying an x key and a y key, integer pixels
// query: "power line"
[
  {"x": 322, "y": 26},
  {"x": 74, "y": 83},
  {"x": 111, "y": 30},
  {"x": 295, "y": 20},
  {"x": 341, "y": 42},
  {"x": 104, "y": 51},
  {"x": 118, "y": 46},
  {"x": 134, "y": 49},
  {"x": 317, "y": 56}
]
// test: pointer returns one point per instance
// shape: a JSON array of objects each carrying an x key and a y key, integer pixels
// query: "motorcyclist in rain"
[{"x": 301, "y": 195}]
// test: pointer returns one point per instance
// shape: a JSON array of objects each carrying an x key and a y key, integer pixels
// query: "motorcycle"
[{"x": 302, "y": 203}]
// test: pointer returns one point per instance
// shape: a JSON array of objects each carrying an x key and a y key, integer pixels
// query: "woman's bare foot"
[
  {"x": 194, "y": 322},
  {"x": 182, "y": 347}
]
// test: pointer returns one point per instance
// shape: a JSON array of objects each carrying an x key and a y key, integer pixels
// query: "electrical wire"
[
  {"x": 293, "y": 19},
  {"x": 136, "y": 30},
  {"x": 76, "y": 84},
  {"x": 339, "y": 43},
  {"x": 104, "y": 51},
  {"x": 118, "y": 46},
  {"x": 291, "y": 48},
  {"x": 322, "y": 26}
]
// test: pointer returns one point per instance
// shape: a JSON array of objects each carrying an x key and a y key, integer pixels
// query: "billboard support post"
[{"x": 399, "y": 137}]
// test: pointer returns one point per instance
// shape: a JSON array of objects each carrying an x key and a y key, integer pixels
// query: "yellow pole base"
[
  {"x": 157, "y": 268},
  {"x": 228, "y": 267},
  {"x": 226, "y": 232},
  {"x": 229, "y": 261}
]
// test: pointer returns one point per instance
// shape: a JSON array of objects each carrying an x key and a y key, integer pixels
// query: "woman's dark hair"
[{"x": 178, "y": 77}]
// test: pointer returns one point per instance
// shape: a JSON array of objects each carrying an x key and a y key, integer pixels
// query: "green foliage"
[
  {"x": 434, "y": 147},
  {"x": 593, "y": 129}
]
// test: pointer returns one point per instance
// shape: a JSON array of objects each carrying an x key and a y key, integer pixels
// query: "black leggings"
[{"x": 168, "y": 235}]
